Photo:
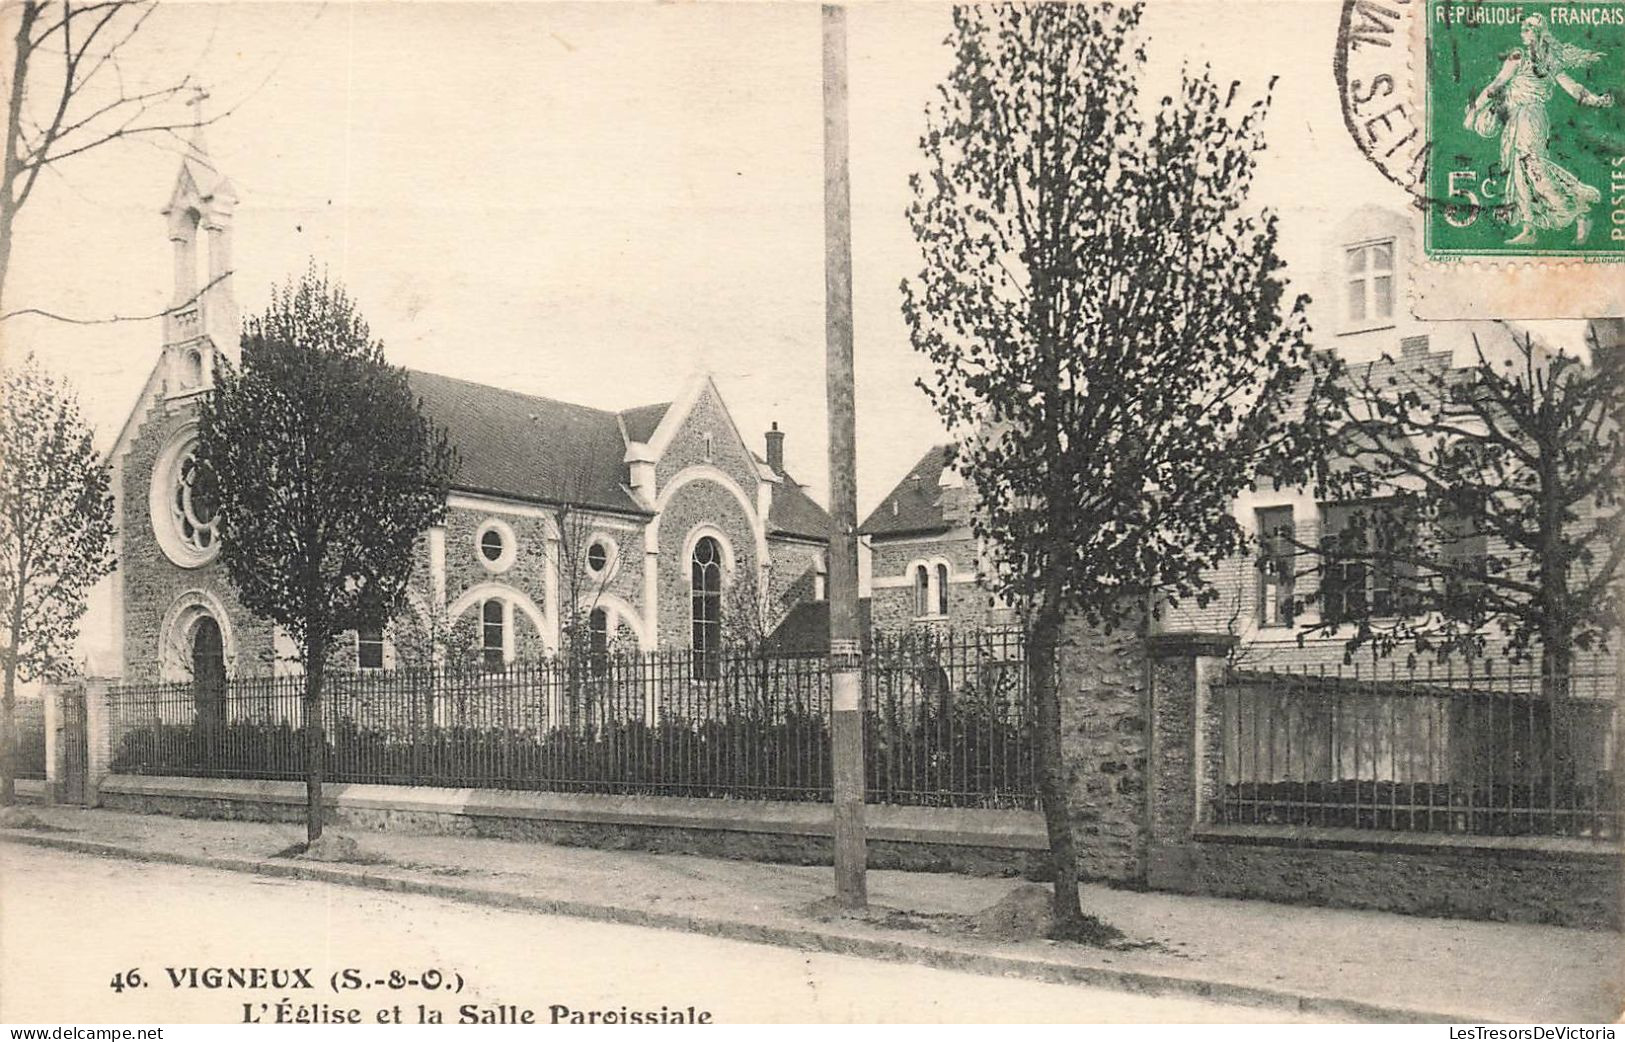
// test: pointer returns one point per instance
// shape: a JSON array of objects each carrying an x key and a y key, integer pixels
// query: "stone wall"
[
  {"x": 970, "y": 605},
  {"x": 707, "y": 437},
  {"x": 976, "y": 842},
  {"x": 1578, "y": 888},
  {"x": 1103, "y": 740},
  {"x": 696, "y": 503},
  {"x": 152, "y": 584},
  {"x": 793, "y": 578},
  {"x": 1527, "y": 879}
]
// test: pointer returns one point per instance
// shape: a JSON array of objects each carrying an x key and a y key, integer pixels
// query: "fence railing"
[
  {"x": 1445, "y": 750},
  {"x": 30, "y": 738},
  {"x": 948, "y": 725}
]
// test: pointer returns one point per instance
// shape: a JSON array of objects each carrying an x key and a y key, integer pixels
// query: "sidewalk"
[{"x": 1339, "y": 964}]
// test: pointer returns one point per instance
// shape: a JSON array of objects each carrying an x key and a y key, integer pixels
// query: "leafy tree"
[
  {"x": 56, "y": 536},
  {"x": 327, "y": 473},
  {"x": 1489, "y": 499},
  {"x": 1110, "y": 331}
]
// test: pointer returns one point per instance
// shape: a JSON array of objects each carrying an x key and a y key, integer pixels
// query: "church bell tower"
[{"x": 201, "y": 323}]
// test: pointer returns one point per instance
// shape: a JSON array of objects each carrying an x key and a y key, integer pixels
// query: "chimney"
[{"x": 775, "y": 448}]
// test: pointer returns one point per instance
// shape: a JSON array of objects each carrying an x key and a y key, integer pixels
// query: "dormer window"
[{"x": 1369, "y": 271}]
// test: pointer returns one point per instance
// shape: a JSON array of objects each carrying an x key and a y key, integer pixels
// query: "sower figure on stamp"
[{"x": 1540, "y": 194}]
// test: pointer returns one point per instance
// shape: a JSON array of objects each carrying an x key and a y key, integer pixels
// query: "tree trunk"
[
  {"x": 1556, "y": 649},
  {"x": 8, "y": 734},
  {"x": 315, "y": 743},
  {"x": 12, "y": 171},
  {"x": 1052, "y": 787}
]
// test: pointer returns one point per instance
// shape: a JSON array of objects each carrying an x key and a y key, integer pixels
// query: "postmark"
[{"x": 1504, "y": 121}]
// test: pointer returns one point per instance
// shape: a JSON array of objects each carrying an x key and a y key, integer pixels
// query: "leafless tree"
[
  {"x": 582, "y": 579},
  {"x": 67, "y": 94}
]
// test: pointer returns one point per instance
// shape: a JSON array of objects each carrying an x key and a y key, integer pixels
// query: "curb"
[{"x": 803, "y": 938}]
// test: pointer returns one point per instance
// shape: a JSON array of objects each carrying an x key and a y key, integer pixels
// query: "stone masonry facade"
[{"x": 708, "y": 483}]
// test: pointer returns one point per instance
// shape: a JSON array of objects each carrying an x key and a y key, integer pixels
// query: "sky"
[{"x": 594, "y": 201}]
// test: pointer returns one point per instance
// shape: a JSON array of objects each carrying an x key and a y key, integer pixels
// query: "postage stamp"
[
  {"x": 1505, "y": 121},
  {"x": 1527, "y": 131}
]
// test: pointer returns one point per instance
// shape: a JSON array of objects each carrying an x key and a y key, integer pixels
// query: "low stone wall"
[
  {"x": 1534, "y": 880},
  {"x": 1568, "y": 882},
  {"x": 976, "y": 842}
]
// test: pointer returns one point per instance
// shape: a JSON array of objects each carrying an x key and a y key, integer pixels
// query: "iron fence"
[
  {"x": 949, "y": 719},
  {"x": 1457, "y": 750},
  {"x": 947, "y": 725},
  {"x": 30, "y": 717}
]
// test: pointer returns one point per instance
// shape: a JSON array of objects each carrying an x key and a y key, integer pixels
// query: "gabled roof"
[
  {"x": 525, "y": 447},
  {"x": 793, "y": 513},
  {"x": 914, "y": 506},
  {"x": 538, "y": 449},
  {"x": 804, "y": 630},
  {"x": 642, "y": 421}
]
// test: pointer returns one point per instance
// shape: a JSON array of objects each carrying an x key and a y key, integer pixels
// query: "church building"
[{"x": 646, "y": 526}]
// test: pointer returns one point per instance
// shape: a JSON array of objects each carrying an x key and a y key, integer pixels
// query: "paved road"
[{"x": 68, "y": 923}]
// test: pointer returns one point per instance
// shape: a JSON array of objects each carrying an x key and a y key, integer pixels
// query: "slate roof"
[
  {"x": 642, "y": 421},
  {"x": 502, "y": 439},
  {"x": 538, "y": 449},
  {"x": 914, "y": 505},
  {"x": 793, "y": 513},
  {"x": 804, "y": 630}
]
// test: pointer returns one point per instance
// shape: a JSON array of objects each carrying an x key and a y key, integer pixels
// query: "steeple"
[{"x": 203, "y": 315}]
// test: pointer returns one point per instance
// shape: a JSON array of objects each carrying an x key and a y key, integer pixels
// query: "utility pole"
[{"x": 845, "y": 653}]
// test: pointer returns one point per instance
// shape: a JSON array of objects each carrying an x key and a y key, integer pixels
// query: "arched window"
[
  {"x": 706, "y": 604},
  {"x": 209, "y": 674},
  {"x": 922, "y": 591},
  {"x": 493, "y": 633},
  {"x": 598, "y": 638},
  {"x": 194, "y": 368},
  {"x": 942, "y": 589}
]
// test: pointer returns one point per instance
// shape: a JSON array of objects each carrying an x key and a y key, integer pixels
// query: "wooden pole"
[{"x": 846, "y": 677}]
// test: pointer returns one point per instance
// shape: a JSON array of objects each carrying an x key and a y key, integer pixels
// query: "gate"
[{"x": 73, "y": 745}]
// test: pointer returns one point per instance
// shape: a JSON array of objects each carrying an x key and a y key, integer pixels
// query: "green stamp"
[{"x": 1526, "y": 129}]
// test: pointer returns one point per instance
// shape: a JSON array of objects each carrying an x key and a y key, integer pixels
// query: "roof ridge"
[{"x": 609, "y": 413}]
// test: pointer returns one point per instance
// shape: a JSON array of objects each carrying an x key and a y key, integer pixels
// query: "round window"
[
  {"x": 186, "y": 506},
  {"x": 597, "y": 557},
  {"x": 495, "y": 546}
]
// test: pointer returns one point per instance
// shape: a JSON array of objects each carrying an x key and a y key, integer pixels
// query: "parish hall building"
[{"x": 669, "y": 510}]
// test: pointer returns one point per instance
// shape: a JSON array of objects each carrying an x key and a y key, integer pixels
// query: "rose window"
[{"x": 195, "y": 508}]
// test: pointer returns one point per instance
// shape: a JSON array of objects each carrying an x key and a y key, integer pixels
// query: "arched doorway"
[{"x": 209, "y": 674}]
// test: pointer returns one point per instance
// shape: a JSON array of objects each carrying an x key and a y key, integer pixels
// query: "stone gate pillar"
[
  {"x": 1186, "y": 754},
  {"x": 99, "y": 737},
  {"x": 52, "y": 694}
]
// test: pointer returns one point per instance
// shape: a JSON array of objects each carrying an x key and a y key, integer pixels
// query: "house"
[
  {"x": 924, "y": 564},
  {"x": 640, "y": 524},
  {"x": 925, "y": 559}
]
